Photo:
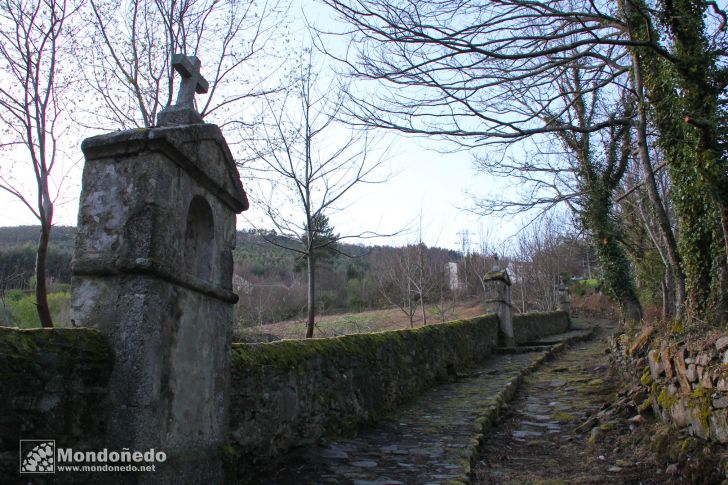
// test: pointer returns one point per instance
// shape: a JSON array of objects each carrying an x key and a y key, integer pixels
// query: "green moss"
[
  {"x": 21, "y": 349},
  {"x": 646, "y": 378},
  {"x": 230, "y": 460},
  {"x": 700, "y": 400},
  {"x": 563, "y": 417},
  {"x": 288, "y": 354},
  {"x": 665, "y": 400},
  {"x": 606, "y": 426},
  {"x": 677, "y": 327},
  {"x": 594, "y": 436},
  {"x": 645, "y": 406}
]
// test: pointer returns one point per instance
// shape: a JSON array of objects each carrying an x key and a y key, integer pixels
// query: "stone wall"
[
  {"x": 54, "y": 386},
  {"x": 686, "y": 383},
  {"x": 293, "y": 392},
  {"x": 530, "y": 327}
]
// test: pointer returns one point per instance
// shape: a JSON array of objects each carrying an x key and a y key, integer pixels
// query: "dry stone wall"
[
  {"x": 687, "y": 383},
  {"x": 293, "y": 392},
  {"x": 57, "y": 384}
]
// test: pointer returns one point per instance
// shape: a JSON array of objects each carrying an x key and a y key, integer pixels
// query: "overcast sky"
[{"x": 424, "y": 186}]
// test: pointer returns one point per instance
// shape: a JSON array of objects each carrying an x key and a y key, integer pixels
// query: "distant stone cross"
[{"x": 184, "y": 112}]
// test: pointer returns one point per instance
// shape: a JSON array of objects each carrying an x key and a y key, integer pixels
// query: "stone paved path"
[
  {"x": 430, "y": 441},
  {"x": 538, "y": 442}
]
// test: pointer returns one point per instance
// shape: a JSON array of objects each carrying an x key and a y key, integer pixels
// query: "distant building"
[{"x": 451, "y": 269}]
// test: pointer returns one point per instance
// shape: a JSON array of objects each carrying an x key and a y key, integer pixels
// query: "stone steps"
[{"x": 431, "y": 440}]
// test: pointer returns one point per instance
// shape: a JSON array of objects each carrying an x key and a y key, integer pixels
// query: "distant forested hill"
[
  {"x": 270, "y": 280},
  {"x": 17, "y": 255}
]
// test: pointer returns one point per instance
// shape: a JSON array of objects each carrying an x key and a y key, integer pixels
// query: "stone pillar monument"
[
  {"x": 153, "y": 272},
  {"x": 564, "y": 297},
  {"x": 498, "y": 300}
]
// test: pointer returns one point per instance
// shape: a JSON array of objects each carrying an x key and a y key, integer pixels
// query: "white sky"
[{"x": 425, "y": 185}]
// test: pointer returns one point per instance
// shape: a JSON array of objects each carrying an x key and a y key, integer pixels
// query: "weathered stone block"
[
  {"x": 497, "y": 286},
  {"x": 681, "y": 372},
  {"x": 697, "y": 423},
  {"x": 692, "y": 373},
  {"x": 666, "y": 362},
  {"x": 703, "y": 358},
  {"x": 655, "y": 363},
  {"x": 678, "y": 411},
  {"x": 719, "y": 425},
  {"x": 704, "y": 379}
]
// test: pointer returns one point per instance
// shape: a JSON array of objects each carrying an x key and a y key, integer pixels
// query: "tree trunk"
[
  {"x": 410, "y": 307},
  {"x": 666, "y": 300},
  {"x": 41, "y": 292},
  {"x": 422, "y": 305},
  {"x": 311, "y": 294},
  {"x": 668, "y": 237},
  {"x": 616, "y": 271},
  {"x": 684, "y": 104}
]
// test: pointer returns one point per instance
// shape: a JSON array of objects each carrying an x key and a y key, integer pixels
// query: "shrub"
[{"x": 25, "y": 314}]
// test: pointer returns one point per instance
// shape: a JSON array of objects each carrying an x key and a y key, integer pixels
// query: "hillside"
[{"x": 269, "y": 279}]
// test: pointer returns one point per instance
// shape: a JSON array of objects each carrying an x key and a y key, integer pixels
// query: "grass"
[{"x": 363, "y": 322}]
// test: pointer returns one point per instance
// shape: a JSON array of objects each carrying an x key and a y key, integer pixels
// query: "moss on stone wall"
[
  {"x": 293, "y": 392},
  {"x": 53, "y": 387},
  {"x": 533, "y": 326},
  {"x": 288, "y": 354},
  {"x": 23, "y": 352},
  {"x": 684, "y": 380}
]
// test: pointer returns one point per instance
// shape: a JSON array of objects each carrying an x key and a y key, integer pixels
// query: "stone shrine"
[{"x": 153, "y": 272}]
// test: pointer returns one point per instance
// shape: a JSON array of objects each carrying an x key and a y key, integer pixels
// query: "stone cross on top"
[{"x": 184, "y": 112}]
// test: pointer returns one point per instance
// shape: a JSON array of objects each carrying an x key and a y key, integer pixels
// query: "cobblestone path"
[
  {"x": 537, "y": 442},
  {"x": 432, "y": 440}
]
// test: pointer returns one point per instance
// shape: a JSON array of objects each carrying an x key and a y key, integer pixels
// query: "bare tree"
[
  {"x": 463, "y": 60},
  {"x": 413, "y": 275},
  {"x": 302, "y": 176},
  {"x": 32, "y": 36},
  {"x": 458, "y": 69},
  {"x": 543, "y": 257},
  {"x": 129, "y": 50},
  {"x": 396, "y": 277}
]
